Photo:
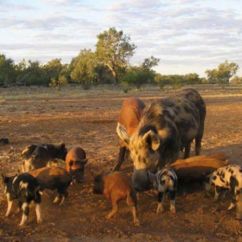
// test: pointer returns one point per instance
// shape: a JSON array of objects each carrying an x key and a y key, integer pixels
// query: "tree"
[
  {"x": 192, "y": 78},
  {"x": 83, "y": 68},
  {"x": 53, "y": 69},
  {"x": 149, "y": 63},
  {"x": 7, "y": 71},
  {"x": 139, "y": 75},
  {"x": 222, "y": 73},
  {"x": 32, "y": 73},
  {"x": 114, "y": 49}
]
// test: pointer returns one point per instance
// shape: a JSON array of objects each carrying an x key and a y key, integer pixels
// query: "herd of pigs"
[{"x": 153, "y": 137}]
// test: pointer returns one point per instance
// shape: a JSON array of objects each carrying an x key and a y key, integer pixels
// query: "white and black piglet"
[
  {"x": 25, "y": 189},
  {"x": 165, "y": 182},
  {"x": 227, "y": 177}
]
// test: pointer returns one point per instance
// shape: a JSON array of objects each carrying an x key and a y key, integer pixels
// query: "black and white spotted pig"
[
  {"x": 37, "y": 156},
  {"x": 166, "y": 127},
  {"x": 227, "y": 177},
  {"x": 25, "y": 189},
  {"x": 165, "y": 182}
]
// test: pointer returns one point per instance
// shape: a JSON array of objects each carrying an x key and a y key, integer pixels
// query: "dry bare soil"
[{"x": 88, "y": 119}]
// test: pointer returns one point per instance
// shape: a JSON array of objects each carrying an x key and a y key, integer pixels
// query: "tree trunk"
[{"x": 113, "y": 73}]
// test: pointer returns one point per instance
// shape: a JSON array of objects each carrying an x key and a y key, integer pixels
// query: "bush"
[
  {"x": 137, "y": 76},
  {"x": 177, "y": 81}
]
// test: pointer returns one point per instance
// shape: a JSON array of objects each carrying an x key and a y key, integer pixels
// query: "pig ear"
[
  {"x": 152, "y": 139},
  {"x": 122, "y": 133}
]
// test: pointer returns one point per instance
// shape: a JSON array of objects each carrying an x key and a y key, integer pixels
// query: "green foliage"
[
  {"x": 57, "y": 73},
  {"x": 7, "y": 71},
  {"x": 53, "y": 69},
  {"x": 222, "y": 73},
  {"x": 177, "y": 80},
  {"x": 104, "y": 76},
  {"x": 83, "y": 68},
  {"x": 113, "y": 50},
  {"x": 151, "y": 62},
  {"x": 137, "y": 76},
  {"x": 33, "y": 74}
]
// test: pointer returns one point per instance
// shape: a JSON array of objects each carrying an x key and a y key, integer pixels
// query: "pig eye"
[{"x": 163, "y": 182}]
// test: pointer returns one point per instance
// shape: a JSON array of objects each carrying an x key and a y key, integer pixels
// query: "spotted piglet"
[
  {"x": 228, "y": 177},
  {"x": 165, "y": 182},
  {"x": 25, "y": 189}
]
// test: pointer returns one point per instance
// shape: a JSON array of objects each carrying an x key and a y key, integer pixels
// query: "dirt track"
[{"x": 90, "y": 121}]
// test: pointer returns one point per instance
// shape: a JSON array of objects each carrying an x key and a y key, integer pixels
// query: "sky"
[{"x": 186, "y": 35}]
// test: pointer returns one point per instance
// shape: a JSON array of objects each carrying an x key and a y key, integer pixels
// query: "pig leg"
[
  {"x": 161, "y": 199},
  {"x": 19, "y": 206},
  {"x": 38, "y": 213},
  {"x": 121, "y": 158},
  {"x": 187, "y": 150},
  {"x": 62, "y": 194},
  {"x": 132, "y": 202},
  {"x": 25, "y": 209},
  {"x": 63, "y": 197},
  {"x": 198, "y": 139},
  {"x": 114, "y": 206},
  {"x": 172, "y": 197},
  {"x": 10, "y": 204},
  {"x": 216, "y": 193},
  {"x": 235, "y": 192}
]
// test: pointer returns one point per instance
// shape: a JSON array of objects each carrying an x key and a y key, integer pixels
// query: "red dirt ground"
[{"x": 89, "y": 121}]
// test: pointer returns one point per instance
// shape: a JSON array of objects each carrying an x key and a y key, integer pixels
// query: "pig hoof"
[
  {"x": 136, "y": 222},
  {"x": 231, "y": 206},
  {"x": 109, "y": 216},
  {"x": 56, "y": 200},
  {"x": 173, "y": 211},
  {"x": 160, "y": 210},
  {"x": 39, "y": 221}
]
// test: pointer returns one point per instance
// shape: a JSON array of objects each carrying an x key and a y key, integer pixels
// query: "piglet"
[
  {"x": 53, "y": 178},
  {"x": 226, "y": 178},
  {"x": 115, "y": 187},
  {"x": 165, "y": 182}
]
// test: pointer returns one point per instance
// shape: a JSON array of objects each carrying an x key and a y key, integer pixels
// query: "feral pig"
[
  {"x": 165, "y": 182},
  {"x": 53, "y": 178},
  {"x": 25, "y": 189},
  {"x": 167, "y": 127},
  {"x": 115, "y": 187},
  {"x": 227, "y": 177},
  {"x": 75, "y": 163},
  {"x": 130, "y": 115},
  {"x": 37, "y": 156}
]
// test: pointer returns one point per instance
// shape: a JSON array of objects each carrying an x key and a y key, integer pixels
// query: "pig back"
[{"x": 131, "y": 113}]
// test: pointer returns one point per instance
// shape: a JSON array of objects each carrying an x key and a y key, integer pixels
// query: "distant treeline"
[{"x": 108, "y": 64}]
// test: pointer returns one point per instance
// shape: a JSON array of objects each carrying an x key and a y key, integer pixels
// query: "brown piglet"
[
  {"x": 53, "y": 178},
  {"x": 115, "y": 187}
]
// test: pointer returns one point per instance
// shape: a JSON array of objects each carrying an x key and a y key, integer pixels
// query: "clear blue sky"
[{"x": 187, "y": 35}]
